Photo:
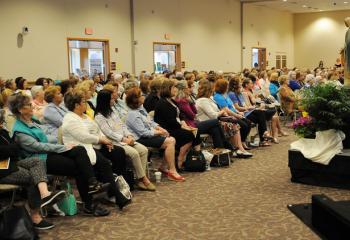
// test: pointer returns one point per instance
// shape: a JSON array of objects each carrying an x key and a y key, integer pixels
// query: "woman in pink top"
[{"x": 188, "y": 113}]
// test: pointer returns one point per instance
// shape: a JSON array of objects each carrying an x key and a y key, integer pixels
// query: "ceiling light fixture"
[
  {"x": 304, "y": 6},
  {"x": 284, "y": 0},
  {"x": 346, "y": 2}
]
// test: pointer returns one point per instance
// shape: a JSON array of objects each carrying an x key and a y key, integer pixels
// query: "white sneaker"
[{"x": 242, "y": 154}]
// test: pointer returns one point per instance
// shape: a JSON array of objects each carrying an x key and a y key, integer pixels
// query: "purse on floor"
[
  {"x": 68, "y": 204},
  {"x": 123, "y": 186},
  {"x": 15, "y": 223},
  {"x": 221, "y": 159},
  {"x": 195, "y": 161}
]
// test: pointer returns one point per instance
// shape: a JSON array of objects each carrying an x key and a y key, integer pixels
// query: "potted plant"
[{"x": 328, "y": 106}]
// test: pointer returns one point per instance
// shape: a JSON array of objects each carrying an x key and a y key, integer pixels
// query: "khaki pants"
[{"x": 138, "y": 155}]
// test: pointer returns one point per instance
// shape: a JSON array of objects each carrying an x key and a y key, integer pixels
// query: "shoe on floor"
[
  {"x": 149, "y": 187},
  {"x": 96, "y": 210},
  {"x": 43, "y": 225},
  {"x": 98, "y": 188},
  {"x": 241, "y": 154},
  {"x": 53, "y": 198}
]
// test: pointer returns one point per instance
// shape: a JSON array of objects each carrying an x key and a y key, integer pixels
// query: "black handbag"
[
  {"x": 221, "y": 160},
  {"x": 15, "y": 223},
  {"x": 195, "y": 161}
]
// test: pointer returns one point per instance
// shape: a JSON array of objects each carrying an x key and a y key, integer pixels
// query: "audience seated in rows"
[
  {"x": 62, "y": 160},
  {"x": 150, "y": 134},
  {"x": 115, "y": 130}
]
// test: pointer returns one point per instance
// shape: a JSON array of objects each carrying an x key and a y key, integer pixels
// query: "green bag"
[{"x": 68, "y": 204}]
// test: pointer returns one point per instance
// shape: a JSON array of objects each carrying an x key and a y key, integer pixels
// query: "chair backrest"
[
  {"x": 59, "y": 136},
  {"x": 151, "y": 115}
]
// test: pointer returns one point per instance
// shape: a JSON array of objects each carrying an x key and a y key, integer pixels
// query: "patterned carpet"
[{"x": 246, "y": 201}]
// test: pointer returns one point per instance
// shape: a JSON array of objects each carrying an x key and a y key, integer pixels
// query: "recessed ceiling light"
[
  {"x": 304, "y": 6},
  {"x": 284, "y": 0},
  {"x": 346, "y": 2}
]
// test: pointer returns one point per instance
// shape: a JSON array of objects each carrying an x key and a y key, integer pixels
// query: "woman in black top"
[{"x": 166, "y": 114}]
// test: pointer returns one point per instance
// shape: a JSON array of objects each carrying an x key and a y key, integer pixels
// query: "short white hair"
[{"x": 36, "y": 89}]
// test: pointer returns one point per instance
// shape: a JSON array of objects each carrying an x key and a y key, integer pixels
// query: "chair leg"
[{"x": 13, "y": 197}]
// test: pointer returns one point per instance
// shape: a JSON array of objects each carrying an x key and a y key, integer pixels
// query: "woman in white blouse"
[
  {"x": 207, "y": 109},
  {"x": 79, "y": 129},
  {"x": 113, "y": 127}
]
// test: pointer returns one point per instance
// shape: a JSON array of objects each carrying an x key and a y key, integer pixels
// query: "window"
[
  {"x": 88, "y": 57},
  {"x": 281, "y": 60}
]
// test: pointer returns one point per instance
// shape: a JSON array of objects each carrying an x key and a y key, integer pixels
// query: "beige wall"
[
  {"x": 202, "y": 27},
  {"x": 268, "y": 28},
  {"x": 44, "y": 51},
  {"x": 319, "y": 36}
]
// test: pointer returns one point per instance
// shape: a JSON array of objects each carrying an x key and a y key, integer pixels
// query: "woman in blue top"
[
  {"x": 149, "y": 133},
  {"x": 224, "y": 102}
]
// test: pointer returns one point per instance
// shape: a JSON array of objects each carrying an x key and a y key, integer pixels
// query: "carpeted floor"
[{"x": 246, "y": 201}]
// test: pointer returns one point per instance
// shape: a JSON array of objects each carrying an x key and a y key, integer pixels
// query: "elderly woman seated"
[
  {"x": 79, "y": 129},
  {"x": 38, "y": 102},
  {"x": 63, "y": 160},
  {"x": 207, "y": 109},
  {"x": 112, "y": 126},
  {"x": 29, "y": 173},
  {"x": 150, "y": 133},
  {"x": 55, "y": 110}
]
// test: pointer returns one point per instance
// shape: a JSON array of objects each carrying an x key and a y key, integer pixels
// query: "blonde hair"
[
  {"x": 274, "y": 76},
  {"x": 50, "y": 93},
  {"x": 282, "y": 79},
  {"x": 109, "y": 87}
]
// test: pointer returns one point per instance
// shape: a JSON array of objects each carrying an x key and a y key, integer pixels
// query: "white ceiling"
[{"x": 303, "y": 6}]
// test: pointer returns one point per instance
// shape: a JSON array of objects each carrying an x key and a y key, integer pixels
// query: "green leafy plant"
[{"x": 328, "y": 105}]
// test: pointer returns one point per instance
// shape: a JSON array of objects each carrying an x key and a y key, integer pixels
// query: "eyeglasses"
[{"x": 28, "y": 105}]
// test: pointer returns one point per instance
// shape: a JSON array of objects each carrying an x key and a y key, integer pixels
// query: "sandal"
[
  {"x": 164, "y": 171},
  {"x": 172, "y": 177},
  {"x": 264, "y": 144}
]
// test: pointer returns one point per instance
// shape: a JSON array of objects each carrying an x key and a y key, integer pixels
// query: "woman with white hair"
[
  {"x": 38, "y": 101},
  {"x": 309, "y": 80},
  {"x": 293, "y": 82}
]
